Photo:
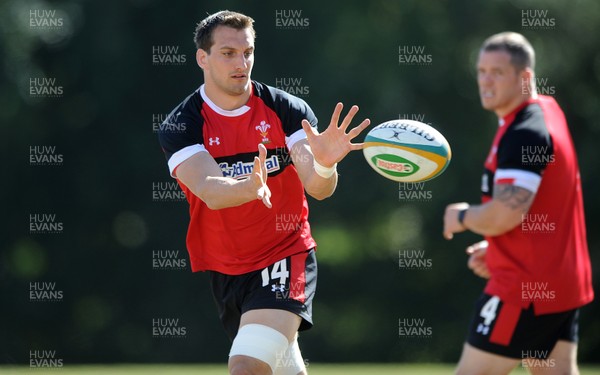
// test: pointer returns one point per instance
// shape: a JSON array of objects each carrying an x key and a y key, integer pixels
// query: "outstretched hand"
[
  {"x": 333, "y": 144},
  {"x": 259, "y": 176}
]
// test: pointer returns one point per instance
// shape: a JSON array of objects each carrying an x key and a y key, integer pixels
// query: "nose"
[
  {"x": 484, "y": 79},
  {"x": 242, "y": 62}
]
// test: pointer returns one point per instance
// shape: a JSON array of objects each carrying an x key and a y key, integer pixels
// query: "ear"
[
  {"x": 201, "y": 58},
  {"x": 527, "y": 76}
]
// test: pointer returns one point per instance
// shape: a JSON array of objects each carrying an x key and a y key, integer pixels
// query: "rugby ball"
[{"x": 407, "y": 151}]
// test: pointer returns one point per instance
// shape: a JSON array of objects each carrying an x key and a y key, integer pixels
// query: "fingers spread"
[
  {"x": 356, "y": 146},
  {"x": 349, "y": 117},
  {"x": 335, "y": 117},
  {"x": 308, "y": 129},
  {"x": 357, "y": 130}
]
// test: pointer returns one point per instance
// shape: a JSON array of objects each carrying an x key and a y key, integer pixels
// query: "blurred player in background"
[
  {"x": 535, "y": 252},
  {"x": 244, "y": 153}
]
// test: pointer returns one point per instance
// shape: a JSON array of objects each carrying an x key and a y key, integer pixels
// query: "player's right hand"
[
  {"x": 476, "y": 260},
  {"x": 259, "y": 176},
  {"x": 451, "y": 224}
]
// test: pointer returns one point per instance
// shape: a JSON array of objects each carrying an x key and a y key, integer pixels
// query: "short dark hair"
[
  {"x": 204, "y": 29},
  {"x": 518, "y": 47}
]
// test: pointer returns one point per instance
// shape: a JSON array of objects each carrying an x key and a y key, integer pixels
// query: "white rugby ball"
[{"x": 407, "y": 151}]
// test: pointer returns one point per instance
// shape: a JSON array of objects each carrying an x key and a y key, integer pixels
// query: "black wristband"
[{"x": 461, "y": 216}]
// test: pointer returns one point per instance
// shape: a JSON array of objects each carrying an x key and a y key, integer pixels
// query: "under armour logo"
[
  {"x": 214, "y": 141},
  {"x": 483, "y": 329},
  {"x": 278, "y": 287}
]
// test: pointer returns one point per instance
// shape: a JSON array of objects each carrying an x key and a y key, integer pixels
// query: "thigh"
[
  {"x": 476, "y": 361},
  {"x": 283, "y": 321},
  {"x": 562, "y": 360}
]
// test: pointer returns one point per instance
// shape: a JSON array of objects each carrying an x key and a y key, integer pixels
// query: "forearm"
[
  {"x": 485, "y": 220},
  {"x": 223, "y": 192},
  {"x": 202, "y": 175},
  {"x": 319, "y": 187},
  {"x": 501, "y": 214},
  {"x": 504, "y": 212}
]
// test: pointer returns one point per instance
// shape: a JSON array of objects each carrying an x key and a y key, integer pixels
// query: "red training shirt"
[
  {"x": 544, "y": 261},
  {"x": 248, "y": 237}
]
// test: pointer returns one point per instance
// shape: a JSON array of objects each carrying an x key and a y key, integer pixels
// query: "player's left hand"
[
  {"x": 333, "y": 144},
  {"x": 451, "y": 224}
]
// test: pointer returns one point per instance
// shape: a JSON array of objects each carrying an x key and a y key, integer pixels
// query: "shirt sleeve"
[
  {"x": 524, "y": 152},
  {"x": 180, "y": 135},
  {"x": 298, "y": 111}
]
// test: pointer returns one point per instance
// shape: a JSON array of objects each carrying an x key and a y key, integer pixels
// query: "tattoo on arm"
[{"x": 513, "y": 197}]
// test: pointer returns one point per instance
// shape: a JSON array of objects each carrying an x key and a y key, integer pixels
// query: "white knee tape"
[
  {"x": 260, "y": 342},
  {"x": 291, "y": 363}
]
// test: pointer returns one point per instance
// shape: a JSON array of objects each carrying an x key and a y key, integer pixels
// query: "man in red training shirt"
[
  {"x": 244, "y": 153},
  {"x": 535, "y": 252}
]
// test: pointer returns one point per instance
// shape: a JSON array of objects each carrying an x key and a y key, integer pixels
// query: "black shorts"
[
  {"x": 511, "y": 331},
  {"x": 288, "y": 284}
]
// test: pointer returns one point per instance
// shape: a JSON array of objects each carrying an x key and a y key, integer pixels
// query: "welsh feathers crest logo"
[{"x": 263, "y": 129}]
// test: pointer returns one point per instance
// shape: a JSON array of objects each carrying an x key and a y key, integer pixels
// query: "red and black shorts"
[
  {"x": 288, "y": 284},
  {"x": 511, "y": 331}
]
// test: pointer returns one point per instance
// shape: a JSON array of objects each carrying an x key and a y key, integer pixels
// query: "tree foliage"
[{"x": 103, "y": 190}]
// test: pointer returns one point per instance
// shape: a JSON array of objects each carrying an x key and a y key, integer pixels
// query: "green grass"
[{"x": 313, "y": 369}]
